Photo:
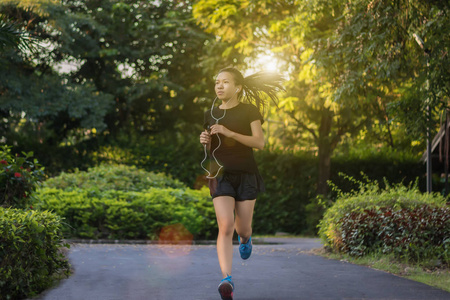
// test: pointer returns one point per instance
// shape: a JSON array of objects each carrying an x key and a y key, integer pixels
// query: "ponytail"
[{"x": 253, "y": 86}]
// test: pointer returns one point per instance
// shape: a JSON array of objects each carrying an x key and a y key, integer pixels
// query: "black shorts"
[{"x": 240, "y": 186}]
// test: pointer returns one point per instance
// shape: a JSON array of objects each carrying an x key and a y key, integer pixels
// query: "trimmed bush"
[
  {"x": 29, "y": 252},
  {"x": 112, "y": 177},
  {"x": 415, "y": 234},
  {"x": 395, "y": 219},
  {"x": 19, "y": 177},
  {"x": 130, "y": 215}
]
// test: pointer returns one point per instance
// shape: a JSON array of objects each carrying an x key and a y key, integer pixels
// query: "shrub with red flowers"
[
  {"x": 416, "y": 234},
  {"x": 19, "y": 177},
  {"x": 397, "y": 220}
]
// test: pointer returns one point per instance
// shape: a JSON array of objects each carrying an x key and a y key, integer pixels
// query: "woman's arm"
[{"x": 256, "y": 140}]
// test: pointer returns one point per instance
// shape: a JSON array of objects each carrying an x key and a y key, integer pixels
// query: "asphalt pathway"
[{"x": 191, "y": 272}]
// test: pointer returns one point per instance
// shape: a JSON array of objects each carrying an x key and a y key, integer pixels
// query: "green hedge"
[
  {"x": 124, "y": 202},
  {"x": 290, "y": 204},
  {"x": 115, "y": 214},
  {"x": 376, "y": 219},
  {"x": 29, "y": 252},
  {"x": 112, "y": 177},
  {"x": 290, "y": 186},
  {"x": 383, "y": 166}
]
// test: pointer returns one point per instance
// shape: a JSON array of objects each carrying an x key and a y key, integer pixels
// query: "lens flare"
[
  {"x": 175, "y": 234},
  {"x": 175, "y": 240}
]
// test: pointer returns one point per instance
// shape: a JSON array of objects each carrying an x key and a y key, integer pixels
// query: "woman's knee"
[
  {"x": 226, "y": 228},
  {"x": 245, "y": 233}
]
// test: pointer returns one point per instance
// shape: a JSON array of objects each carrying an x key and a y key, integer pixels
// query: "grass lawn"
[{"x": 430, "y": 272}]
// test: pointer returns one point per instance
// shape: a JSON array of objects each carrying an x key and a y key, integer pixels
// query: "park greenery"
[
  {"x": 112, "y": 79},
  {"x": 122, "y": 202},
  {"x": 102, "y": 102},
  {"x": 31, "y": 241},
  {"x": 394, "y": 220},
  {"x": 30, "y": 252}
]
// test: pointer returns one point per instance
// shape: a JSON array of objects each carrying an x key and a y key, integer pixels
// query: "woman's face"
[{"x": 225, "y": 86}]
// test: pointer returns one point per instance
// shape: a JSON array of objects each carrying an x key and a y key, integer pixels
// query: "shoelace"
[{"x": 228, "y": 278}]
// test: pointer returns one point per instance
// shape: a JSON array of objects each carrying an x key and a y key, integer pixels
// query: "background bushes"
[
  {"x": 29, "y": 240},
  {"x": 19, "y": 176},
  {"x": 122, "y": 202},
  {"x": 290, "y": 204},
  {"x": 394, "y": 219},
  {"x": 290, "y": 186},
  {"x": 112, "y": 177},
  {"x": 29, "y": 252},
  {"x": 415, "y": 234}
]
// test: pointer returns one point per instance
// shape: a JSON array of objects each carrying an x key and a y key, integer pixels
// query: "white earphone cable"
[{"x": 209, "y": 176}]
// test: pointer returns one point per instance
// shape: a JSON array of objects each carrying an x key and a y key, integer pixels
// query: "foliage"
[
  {"x": 124, "y": 202},
  {"x": 377, "y": 46},
  {"x": 10, "y": 37},
  {"x": 415, "y": 234},
  {"x": 371, "y": 218},
  {"x": 19, "y": 178},
  {"x": 290, "y": 204},
  {"x": 106, "y": 67},
  {"x": 289, "y": 181},
  {"x": 115, "y": 214},
  {"x": 176, "y": 154},
  {"x": 110, "y": 73},
  {"x": 288, "y": 29},
  {"x": 383, "y": 165},
  {"x": 351, "y": 66},
  {"x": 30, "y": 254},
  {"x": 112, "y": 177}
]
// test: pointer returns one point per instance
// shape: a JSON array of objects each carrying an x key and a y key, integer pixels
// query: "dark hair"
[{"x": 254, "y": 85}]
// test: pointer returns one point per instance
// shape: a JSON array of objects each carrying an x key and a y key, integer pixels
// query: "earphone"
[
  {"x": 214, "y": 151},
  {"x": 209, "y": 176}
]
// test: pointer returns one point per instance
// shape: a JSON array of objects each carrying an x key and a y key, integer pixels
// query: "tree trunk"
[{"x": 325, "y": 151}]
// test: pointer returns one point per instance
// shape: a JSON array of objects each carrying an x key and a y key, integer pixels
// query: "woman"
[{"x": 233, "y": 130}]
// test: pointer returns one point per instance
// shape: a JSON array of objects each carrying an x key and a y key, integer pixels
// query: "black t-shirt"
[{"x": 233, "y": 155}]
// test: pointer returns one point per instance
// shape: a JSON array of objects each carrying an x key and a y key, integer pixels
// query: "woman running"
[{"x": 232, "y": 131}]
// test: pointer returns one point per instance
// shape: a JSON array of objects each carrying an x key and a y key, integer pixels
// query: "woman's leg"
[
  {"x": 224, "y": 207},
  {"x": 244, "y": 217}
]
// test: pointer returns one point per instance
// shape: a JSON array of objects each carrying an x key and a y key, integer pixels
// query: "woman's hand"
[
  {"x": 216, "y": 128},
  {"x": 205, "y": 137}
]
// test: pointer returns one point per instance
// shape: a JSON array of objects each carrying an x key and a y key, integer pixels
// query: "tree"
[
  {"x": 375, "y": 43},
  {"x": 351, "y": 65},
  {"x": 128, "y": 68},
  {"x": 291, "y": 30},
  {"x": 36, "y": 102},
  {"x": 10, "y": 37}
]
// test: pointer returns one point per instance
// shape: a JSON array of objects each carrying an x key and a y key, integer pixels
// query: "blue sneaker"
[
  {"x": 226, "y": 288},
  {"x": 245, "y": 250}
]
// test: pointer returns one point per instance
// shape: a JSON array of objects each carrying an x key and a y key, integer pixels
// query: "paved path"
[{"x": 276, "y": 272}]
